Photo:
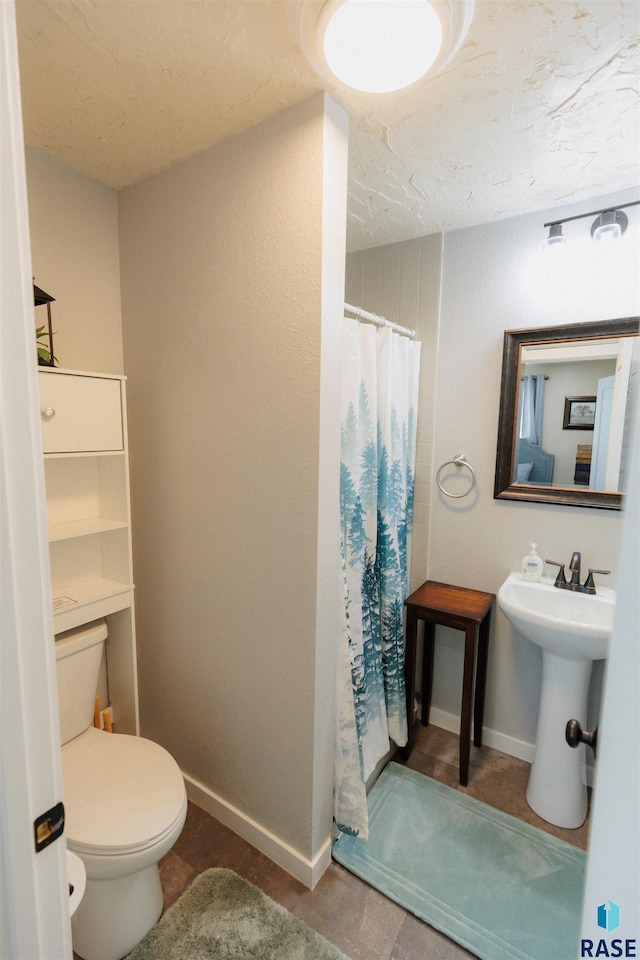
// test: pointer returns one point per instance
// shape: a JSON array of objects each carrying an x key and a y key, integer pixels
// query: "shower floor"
[{"x": 363, "y": 923}]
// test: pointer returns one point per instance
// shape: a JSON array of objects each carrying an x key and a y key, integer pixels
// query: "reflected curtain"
[
  {"x": 379, "y": 413},
  {"x": 532, "y": 409}
]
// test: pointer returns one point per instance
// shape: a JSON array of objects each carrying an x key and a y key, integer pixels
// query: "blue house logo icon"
[{"x": 609, "y": 917}]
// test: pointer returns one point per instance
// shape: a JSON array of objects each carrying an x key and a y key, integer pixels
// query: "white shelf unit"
[{"x": 86, "y": 463}]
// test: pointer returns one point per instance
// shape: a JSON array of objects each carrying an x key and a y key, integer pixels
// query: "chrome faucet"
[{"x": 574, "y": 584}]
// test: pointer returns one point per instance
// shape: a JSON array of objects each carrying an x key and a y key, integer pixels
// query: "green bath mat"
[
  {"x": 223, "y": 917},
  {"x": 502, "y": 889}
]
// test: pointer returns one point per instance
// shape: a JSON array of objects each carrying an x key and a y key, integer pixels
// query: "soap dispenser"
[{"x": 532, "y": 565}]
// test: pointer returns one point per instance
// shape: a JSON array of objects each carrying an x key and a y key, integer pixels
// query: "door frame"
[{"x": 34, "y": 901}]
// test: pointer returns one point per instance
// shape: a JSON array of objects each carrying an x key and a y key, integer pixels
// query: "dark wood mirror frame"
[{"x": 504, "y": 488}]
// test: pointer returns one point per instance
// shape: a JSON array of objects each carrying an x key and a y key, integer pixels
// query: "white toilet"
[{"x": 125, "y": 804}]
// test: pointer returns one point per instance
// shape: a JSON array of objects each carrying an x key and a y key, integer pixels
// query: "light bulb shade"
[
  {"x": 556, "y": 237},
  {"x": 610, "y": 225},
  {"x": 377, "y": 46}
]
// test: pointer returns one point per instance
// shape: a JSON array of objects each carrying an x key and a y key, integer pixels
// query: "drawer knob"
[{"x": 48, "y": 413}]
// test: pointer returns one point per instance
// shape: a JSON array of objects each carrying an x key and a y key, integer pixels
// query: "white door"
[
  {"x": 613, "y": 867},
  {"x": 601, "y": 432},
  {"x": 34, "y": 904}
]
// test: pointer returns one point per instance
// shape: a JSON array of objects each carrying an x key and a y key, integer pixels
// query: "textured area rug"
[
  {"x": 499, "y": 887},
  {"x": 223, "y": 917}
]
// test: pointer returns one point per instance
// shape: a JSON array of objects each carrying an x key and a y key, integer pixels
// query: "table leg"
[
  {"x": 467, "y": 697},
  {"x": 410, "y": 678},
  {"x": 481, "y": 679},
  {"x": 427, "y": 670}
]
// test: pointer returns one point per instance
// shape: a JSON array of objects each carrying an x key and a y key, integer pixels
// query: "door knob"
[{"x": 574, "y": 735}]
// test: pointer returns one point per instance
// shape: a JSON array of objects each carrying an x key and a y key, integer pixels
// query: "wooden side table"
[{"x": 462, "y": 609}]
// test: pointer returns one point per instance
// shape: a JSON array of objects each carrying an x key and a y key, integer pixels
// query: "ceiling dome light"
[{"x": 379, "y": 46}]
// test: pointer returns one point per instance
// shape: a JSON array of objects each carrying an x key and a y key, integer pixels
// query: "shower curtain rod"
[{"x": 378, "y": 321}]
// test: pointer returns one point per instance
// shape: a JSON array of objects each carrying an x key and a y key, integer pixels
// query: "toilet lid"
[{"x": 121, "y": 793}]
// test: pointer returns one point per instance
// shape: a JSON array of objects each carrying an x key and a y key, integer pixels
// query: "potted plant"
[
  {"x": 44, "y": 334},
  {"x": 44, "y": 354}
]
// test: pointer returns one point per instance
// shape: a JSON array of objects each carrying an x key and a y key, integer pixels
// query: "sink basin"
[
  {"x": 573, "y": 630},
  {"x": 572, "y": 625}
]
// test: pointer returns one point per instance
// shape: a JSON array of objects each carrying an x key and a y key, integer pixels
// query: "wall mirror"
[{"x": 566, "y": 412}]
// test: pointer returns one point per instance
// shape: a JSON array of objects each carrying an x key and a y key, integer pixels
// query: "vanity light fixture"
[
  {"x": 380, "y": 46},
  {"x": 609, "y": 224}
]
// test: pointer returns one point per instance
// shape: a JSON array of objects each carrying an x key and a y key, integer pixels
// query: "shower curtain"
[
  {"x": 379, "y": 411},
  {"x": 532, "y": 409}
]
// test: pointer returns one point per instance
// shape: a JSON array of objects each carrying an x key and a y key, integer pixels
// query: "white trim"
[
  {"x": 306, "y": 871},
  {"x": 34, "y": 899},
  {"x": 612, "y": 862},
  {"x": 499, "y": 741},
  {"x": 82, "y": 373},
  {"x": 490, "y": 738},
  {"x": 329, "y": 596}
]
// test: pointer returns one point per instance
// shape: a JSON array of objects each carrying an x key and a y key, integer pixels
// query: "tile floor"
[{"x": 358, "y": 919}]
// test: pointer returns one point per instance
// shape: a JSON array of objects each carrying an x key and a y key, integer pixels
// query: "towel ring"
[{"x": 460, "y": 461}]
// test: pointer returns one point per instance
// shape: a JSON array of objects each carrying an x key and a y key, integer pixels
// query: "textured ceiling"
[{"x": 539, "y": 107}]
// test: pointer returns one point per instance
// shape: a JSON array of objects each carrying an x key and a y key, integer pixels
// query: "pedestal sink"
[{"x": 573, "y": 630}]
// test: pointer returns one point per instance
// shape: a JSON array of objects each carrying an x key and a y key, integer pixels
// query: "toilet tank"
[{"x": 78, "y": 658}]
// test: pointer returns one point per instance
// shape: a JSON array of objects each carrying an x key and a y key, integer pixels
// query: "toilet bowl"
[
  {"x": 77, "y": 879},
  {"x": 125, "y": 805}
]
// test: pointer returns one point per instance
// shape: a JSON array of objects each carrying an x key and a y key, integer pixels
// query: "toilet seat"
[{"x": 122, "y": 794}]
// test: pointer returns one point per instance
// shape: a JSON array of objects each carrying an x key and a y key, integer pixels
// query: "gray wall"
[
  {"x": 401, "y": 282},
  {"x": 73, "y": 225},
  {"x": 231, "y": 314},
  {"x": 495, "y": 278},
  {"x": 234, "y": 677}
]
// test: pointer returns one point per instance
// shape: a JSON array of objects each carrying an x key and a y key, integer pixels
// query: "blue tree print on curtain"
[{"x": 376, "y": 507}]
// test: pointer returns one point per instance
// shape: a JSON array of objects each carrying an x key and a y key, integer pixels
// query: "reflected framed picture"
[{"x": 579, "y": 413}]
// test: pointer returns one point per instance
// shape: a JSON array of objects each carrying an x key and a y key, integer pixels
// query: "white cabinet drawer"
[{"x": 80, "y": 414}]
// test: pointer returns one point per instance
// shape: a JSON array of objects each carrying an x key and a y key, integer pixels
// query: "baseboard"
[
  {"x": 498, "y": 741},
  {"x": 490, "y": 738},
  {"x": 306, "y": 871}
]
